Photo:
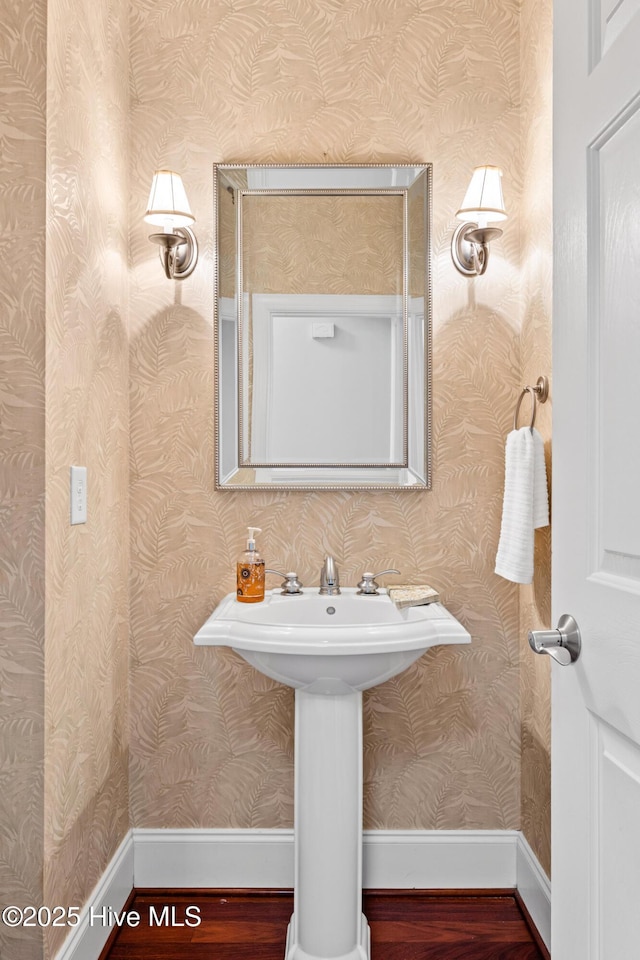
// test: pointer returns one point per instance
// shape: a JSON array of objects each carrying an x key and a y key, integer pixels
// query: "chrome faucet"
[{"x": 329, "y": 579}]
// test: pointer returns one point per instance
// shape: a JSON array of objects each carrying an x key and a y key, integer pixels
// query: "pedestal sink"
[{"x": 330, "y": 649}]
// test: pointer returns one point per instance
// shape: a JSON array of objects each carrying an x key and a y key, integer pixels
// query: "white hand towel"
[{"x": 525, "y": 506}]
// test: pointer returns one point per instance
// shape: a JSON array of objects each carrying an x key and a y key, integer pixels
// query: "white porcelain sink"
[
  {"x": 329, "y": 645},
  {"x": 329, "y": 649}
]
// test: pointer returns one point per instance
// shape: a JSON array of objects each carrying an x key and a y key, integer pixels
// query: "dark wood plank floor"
[{"x": 252, "y": 925}]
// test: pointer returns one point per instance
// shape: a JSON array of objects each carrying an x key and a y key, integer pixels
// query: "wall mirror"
[{"x": 322, "y": 316}]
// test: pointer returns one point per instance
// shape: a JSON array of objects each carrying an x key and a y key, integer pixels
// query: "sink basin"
[{"x": 331, "y": 645}]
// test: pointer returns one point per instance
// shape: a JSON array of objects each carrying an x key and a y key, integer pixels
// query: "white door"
[{"x": 596, "y": 479}]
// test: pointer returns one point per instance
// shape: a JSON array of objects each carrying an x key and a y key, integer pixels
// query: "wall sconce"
[
  {"x": 169, "y": 208},
  {"x": 482, "y": 204}
]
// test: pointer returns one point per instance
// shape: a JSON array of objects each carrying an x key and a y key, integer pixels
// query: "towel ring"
[{"x": 538, "y": 393}]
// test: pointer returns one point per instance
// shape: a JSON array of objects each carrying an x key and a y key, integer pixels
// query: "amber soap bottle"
[{"x": 250, "y": 571}]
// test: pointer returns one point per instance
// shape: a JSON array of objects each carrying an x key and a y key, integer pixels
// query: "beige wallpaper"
[
  {"x": 86, "y": 759},
  {"x": 341, "y": 82},
  {"x": 22, "y": 301},
  {"x": 354, "y": 247},
  {"x": 536, "y": 238}
]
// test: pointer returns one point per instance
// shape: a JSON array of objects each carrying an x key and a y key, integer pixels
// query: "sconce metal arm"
[
  {"x": 470, "y": 248},
  {"x": 178, "y": 252}
]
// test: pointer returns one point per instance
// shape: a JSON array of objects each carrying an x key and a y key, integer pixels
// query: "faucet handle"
[
  {"x": 290, "y": 582},
  {"x": 368, "y": 586}
]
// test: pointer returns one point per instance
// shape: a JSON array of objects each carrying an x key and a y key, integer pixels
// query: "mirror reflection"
[{"x": 322, "y": 326}]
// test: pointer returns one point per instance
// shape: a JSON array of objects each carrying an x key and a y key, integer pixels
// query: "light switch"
[{"x": 78, "y": 494}]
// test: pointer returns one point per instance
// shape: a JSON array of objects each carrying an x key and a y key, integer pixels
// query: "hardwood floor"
[{"x": 252, "y": 925}]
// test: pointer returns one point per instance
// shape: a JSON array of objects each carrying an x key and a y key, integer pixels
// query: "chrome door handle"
[{"x": 563, "y": 644}]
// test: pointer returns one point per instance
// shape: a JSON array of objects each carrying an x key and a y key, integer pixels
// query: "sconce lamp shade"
[
  {"x": 483, "y": 202},
  {"x": 168, "y": 206}
]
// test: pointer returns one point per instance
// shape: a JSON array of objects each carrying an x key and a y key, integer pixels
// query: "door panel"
[
  {"x": 615, "y": 840},
  {"x": 609, "y": 19},
  {"x": 596, "y": 480},
  {"x": 615, "y": 239}
]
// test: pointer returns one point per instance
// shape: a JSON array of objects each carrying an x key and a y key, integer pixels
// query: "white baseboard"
[
  {"x": 399, "y": 859},
  {"x": 535, "y": 889},
  {"x": 439, "y": 859},
  {"x": 87, "y": 939},
  {"x": 213, "y": 858}
]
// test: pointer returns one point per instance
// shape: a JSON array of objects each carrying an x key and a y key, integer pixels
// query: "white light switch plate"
[{"x": 78, "y": 494}]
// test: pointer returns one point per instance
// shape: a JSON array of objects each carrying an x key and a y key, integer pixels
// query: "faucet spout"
[{"x": 329, "y": 579}]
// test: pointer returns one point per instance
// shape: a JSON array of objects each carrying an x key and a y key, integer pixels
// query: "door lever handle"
[{"x": 563, "y": 644}]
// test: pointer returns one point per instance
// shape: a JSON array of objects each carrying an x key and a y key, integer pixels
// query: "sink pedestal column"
[{"x": 327, "y": 921}]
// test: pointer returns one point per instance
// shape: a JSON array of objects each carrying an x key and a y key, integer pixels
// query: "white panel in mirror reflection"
[
  {"x": 346, "y": 411},
  {"x": 301, "y": 384}
]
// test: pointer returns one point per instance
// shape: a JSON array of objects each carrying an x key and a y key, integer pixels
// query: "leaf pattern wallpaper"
[
  {"x": 22, "y": 435},
  {"x": 112, "y": 717},
  {"x": 357, "y": 241},
  {"x": 86, "y": 813}
]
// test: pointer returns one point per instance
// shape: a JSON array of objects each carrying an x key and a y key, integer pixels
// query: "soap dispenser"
[{"x": 250, "y": 571}]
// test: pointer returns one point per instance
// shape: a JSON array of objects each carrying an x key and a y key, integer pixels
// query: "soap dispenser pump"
[{"x": 250, "y": 571}]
